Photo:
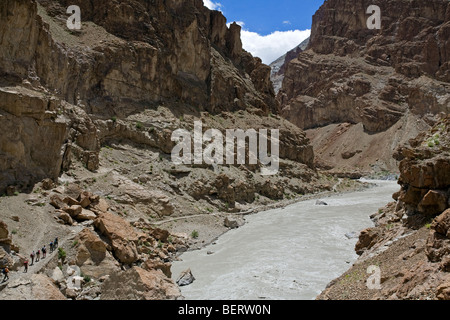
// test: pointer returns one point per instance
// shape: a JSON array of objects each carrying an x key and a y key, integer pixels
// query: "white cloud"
[
  {"x": 272, "y": 46},
  {"x": 212, "y": 5},
  {"x": 286, "y": 22}
]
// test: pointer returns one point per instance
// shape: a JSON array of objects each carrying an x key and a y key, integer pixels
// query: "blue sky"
[{"x": 270, "y": 28}]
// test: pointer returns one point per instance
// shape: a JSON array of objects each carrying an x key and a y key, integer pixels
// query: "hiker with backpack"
[
  {"x": 32, "y": 255},
  {"x": 25, "y": 264},
  {"x": 38, "y": 254},
  {"x": 5, "y": 272},
  {"x": 44, "y": 252}
]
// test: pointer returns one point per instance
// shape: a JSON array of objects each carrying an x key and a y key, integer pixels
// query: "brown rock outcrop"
[
  {"x": 32, "y": 136},
  {"x": 376, "y": 78},
  {"x": 157, "y": 264},
  {"x": 438, "y": 243},
  {"x": 178, "y": 54},
  {"x": 4, "y": 232},
  {"x": 5, "y": 242},
  {"x": 425, "y": 172},
  {"x": 37, "y": 287},
  {"x": 367, "y": 239},
  {"x": 444, "y": 291},
  {"x": 92, "y": 255},
  {"x": 139, "y": 284},
  {"x": 121, "y": 234}
]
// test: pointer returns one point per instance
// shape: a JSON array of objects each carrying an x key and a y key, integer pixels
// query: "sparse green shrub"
[
  {"x": 194, "y": 234},
  {"x": 86, "y": 278},
  {"x": 62, "y": 255}
]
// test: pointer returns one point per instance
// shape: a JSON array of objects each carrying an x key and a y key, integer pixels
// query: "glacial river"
[{"x": 290, "y": 253}]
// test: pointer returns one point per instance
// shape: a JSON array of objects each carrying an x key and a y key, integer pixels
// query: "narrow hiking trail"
[{"x": 16, "y": 277}]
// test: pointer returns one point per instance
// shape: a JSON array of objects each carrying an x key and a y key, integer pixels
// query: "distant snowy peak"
[{"x": 278, "y": 66}]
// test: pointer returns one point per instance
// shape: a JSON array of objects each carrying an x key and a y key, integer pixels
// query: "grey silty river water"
[{"x": 289, "y": 253}]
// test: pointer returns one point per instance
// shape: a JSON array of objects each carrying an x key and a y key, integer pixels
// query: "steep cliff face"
[
  {"x": 129, "y": 57},
  {"x": 356, "y": 75},
  {"x": 94, "y": 110},
  {"x": 278, "y": 67},
  {"x": 128, "y": 53},
  {"x": 413, "y": 38}
]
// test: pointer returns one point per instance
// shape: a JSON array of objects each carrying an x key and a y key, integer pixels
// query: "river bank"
[
  {"x": 289, "y": 252},
  {"x": 209, "y": 227}
]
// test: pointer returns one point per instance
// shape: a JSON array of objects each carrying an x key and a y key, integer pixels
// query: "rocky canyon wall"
[
  {"x": 352, "y": 75},
  {"x": 62, "y": 87}
]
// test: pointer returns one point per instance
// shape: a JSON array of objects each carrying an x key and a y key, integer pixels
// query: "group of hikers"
[{"x": 33, "y": 255}]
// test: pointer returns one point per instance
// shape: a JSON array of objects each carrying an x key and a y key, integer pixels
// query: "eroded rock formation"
[
  {"x": 87, "y": 118},
  {"x": 374, "y": 78},
  {"x": 60, "y": 87}
]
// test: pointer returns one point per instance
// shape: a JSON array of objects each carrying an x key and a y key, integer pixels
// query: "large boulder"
[
  {"x": 92, "y": 255},
  {"x": 185, "y": 278},
  {"x": 442, "y": 223},
  {"x": 36, "y": 287},
  {"x": 4, "y": 233},
  {"x": 58, "y": 202},
  {"x": 233, "y": 223},
  {"x": 434, "y": 202},
  {"x": 121, "y": 234},
  {"x": 86, "y": 215},
  {"x": 64, "y": 217},
  {"x": 438, "y": 242},
  {"x": 160, "y": 234},
  {"x": 139, "y": 284},
  {"x": 150, "y": 201},
  {"x": 5, "y": 237},
  {"x": 367, "y": 238},
  {"x": 5, "y": 259},
  {"x": 158, "y": 264},
  {"x": 74, "y": 210}
]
